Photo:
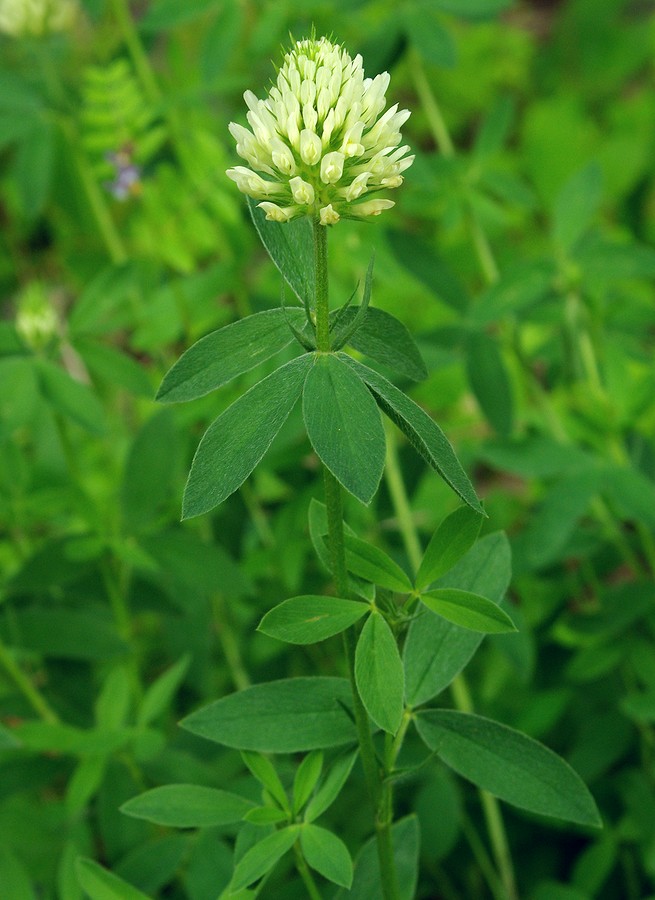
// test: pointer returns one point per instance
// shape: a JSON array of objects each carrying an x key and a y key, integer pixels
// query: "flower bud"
[{"x": 322, "y": 138}]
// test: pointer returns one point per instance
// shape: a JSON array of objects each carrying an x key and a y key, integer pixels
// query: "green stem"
[
  {"x": 305, "y": 873},
  {"x": 322, "y": 308},
  {"x": 135, "y": 48},
  {"x": 400, "y": 501},
  {"x": 482, "y": 858},
  {"x": 483, "y": 250},
  {"x": 380, "y": 793},
  {"x": 431, "y": 107},
  {"x": 33, "y": 696}
]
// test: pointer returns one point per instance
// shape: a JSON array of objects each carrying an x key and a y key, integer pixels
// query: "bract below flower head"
[{"x": 321, "y": 144}]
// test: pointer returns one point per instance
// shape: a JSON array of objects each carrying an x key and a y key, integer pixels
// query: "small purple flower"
[{"x": 127, "y": 182}]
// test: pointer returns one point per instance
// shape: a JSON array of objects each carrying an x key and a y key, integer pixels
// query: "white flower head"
[
  {"x": 321, "y": 143},
  {"x": 37, "y": 17}
]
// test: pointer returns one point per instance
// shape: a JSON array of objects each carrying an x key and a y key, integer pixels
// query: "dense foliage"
[{"x": 519, "y": 256}]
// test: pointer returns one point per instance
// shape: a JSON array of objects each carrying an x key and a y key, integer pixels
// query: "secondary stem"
[
  {"x": 380, "y": 792},
  {"x": 305, "y": 873}
]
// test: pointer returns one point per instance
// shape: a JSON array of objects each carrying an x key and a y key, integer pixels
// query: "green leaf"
[
  {"x": 100, "y": 884},
  {"x": 149, "y": 473},
  {"x": 379, "y": 673},
  {"x": 435, "y": 650},
  {"x": 428, "y": 35},
  {"x": 423, "y": 261},
  {"x": 266, "y": 815},
  {"x": 291, "y": 247},
  {"x": 264, "y": 771},
  {"x": 85, "y": 782},
  {"x": 111, "y": 366},
  {"x": 263, "y": 856},
  {"x": 287, "y": 716},
  {"x": 576, "y": 205},
  {"x": 454, "y": 536},
  {"x": 344, "y": 425},
  {"x": 509, "y": 765},
  {"x": 373, "y": 564},
  {"x": 187, "y": 806},
  {"x": 425, "y": 435},
  {"x": 367, "y": 882},
  {"x": 307, "y": 775},
  {"x": 609, "y": 262},
  {"x": 311, "y": 618},
  {"x": 68, "y": 633},
  {"x": 468, "y": 610},
  {"x": 224, "y": 354},
  {"x": 237, "y": 440},
  {"x": 113, "y": 704},
  {"x": 489, "y": 381},
  {"x": 327, "y": 854},
  {"x": 330, "y": 787},
  {"x": 160, "y": 693},
  {"x": 50, "y": 737},
  {"x": 382, "y": 337},
  {"x": 71, "y": 398}
]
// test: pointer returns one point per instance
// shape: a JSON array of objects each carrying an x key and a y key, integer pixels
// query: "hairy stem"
[{"x": 380, "y": 793}]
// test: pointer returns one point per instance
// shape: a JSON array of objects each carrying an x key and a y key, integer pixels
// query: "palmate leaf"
[
  {"x": 344, "y": 425},
  {"x": 509, "y": 765},
  {"x": 237, "y": 440},
  {"x": 425, "y": 435},
  {"x": 224, "y": 354}
]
